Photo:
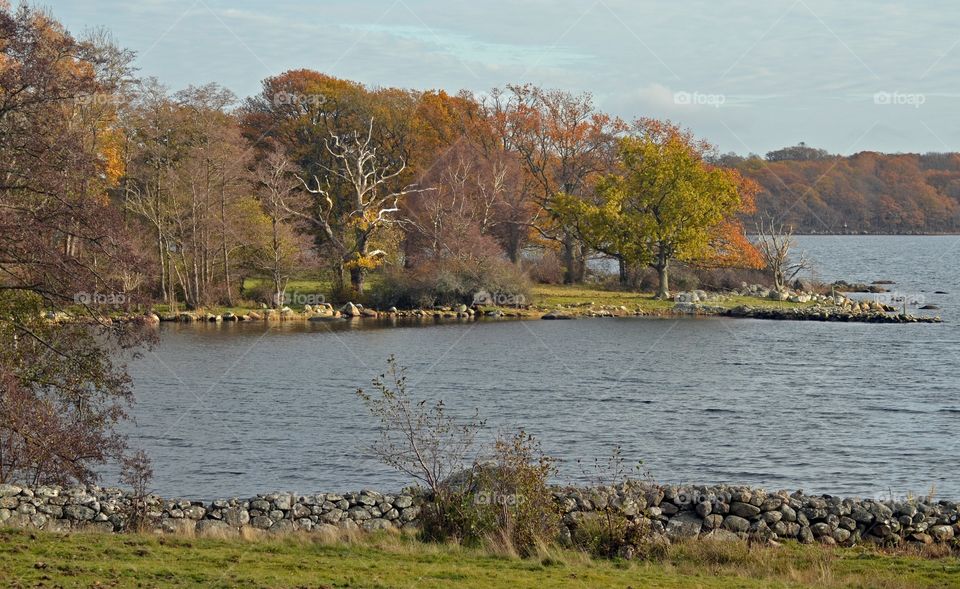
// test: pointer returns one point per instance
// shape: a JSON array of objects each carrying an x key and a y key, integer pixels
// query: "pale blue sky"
[{"x": 748, "y": 75}]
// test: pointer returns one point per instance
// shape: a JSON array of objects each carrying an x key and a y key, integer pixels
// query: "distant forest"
[{"x": 817, "y": 192}]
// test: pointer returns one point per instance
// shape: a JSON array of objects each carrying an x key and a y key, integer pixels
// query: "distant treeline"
[{"x": 868, "y": 192}]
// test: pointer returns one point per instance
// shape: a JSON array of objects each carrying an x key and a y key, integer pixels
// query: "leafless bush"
[
  {"x": 136, "y": 471},
  {"x": 416, "y": 438}
]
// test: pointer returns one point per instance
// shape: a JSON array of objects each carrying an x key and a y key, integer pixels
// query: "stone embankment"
[{"x": 663, "y": 512}]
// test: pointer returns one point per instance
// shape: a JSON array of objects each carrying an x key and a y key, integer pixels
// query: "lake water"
[{"x": 863, "y": 409}]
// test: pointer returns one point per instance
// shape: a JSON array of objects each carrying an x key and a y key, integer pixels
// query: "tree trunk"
[
  {"x": 357, "y": 278},
  {"x": 581, "y": 263},
  {"x": 662, "y": 266},
  {"x": 338, "y": 282},
  {"x": 624, "y": 273},
  {"x": 223, "y": 245},
  {"x": 358, "y": 272},
  {"x": 569, "y": 260}
]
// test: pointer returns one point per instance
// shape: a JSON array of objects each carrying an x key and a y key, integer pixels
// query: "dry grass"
[{"x": 353, "y": 559}]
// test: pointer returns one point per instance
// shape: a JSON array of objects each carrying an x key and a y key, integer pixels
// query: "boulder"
[
  {"x": 684, "y": 525},
  {"x": 735, "y": 523},
  {"x": 744, "y": 510},
  {"x": 942, "y": 533}
]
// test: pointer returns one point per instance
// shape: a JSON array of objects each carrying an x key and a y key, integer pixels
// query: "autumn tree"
[
  {"x": 460, "y": 215},
  {"x": 565, "y": 143},
  {"x": 362, "y": 201},
  {"x": 302, "y": 111},
  {"x": 664, "y": 203},
  {"x": 61, "y": 396},
  {"x": 187, "y": 178}
]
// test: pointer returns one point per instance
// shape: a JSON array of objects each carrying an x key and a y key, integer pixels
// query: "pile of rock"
[
  {"x": 665, "y": 512},
  {"x": 786, "y": 294},
  {"x": 858, "y": 314},
  {"x": 111, "y": 509},
  {"x": 670, "y": 513}
]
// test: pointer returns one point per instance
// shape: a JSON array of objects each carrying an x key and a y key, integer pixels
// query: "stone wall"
[{"x": 665, "y": 512}]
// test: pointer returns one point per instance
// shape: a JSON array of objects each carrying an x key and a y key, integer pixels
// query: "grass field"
[{"x": 36, "y": 559}]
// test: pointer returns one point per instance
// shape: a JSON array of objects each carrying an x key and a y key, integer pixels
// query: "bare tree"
[
  {"x": 278, "y": 253},
  {"x": 775, "y": 242},
  {"x": 366, "y": 210}
]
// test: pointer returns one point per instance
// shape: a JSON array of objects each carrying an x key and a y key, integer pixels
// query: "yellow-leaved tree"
[{"x": 663, "y": 203}]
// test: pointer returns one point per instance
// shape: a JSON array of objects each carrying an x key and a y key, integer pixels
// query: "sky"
[{"x": 748, "y": 75}]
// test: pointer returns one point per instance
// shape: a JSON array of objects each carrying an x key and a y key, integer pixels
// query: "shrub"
[
  {"x": 546, "y": 269},
  {"x": 606, "y": 532},
  {"x": 136, "y": 471},
  {"x": 452, "y": 282},
  {"x": 505, "y": 500}
]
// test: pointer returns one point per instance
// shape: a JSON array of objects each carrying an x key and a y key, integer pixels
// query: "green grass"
[
  {"x": 36, "y": 559},
  {"x": 553, "y": 295}
]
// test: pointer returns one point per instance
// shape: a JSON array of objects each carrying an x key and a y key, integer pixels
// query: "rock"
[
  {"x": 735, "y": 523},
  {"x": 283, "y": 502},
  {"x": 299, "y": 511},
  {"x": 684, "y": 525},
  {"x": 10, "y": 490},
  {"x": 236, "y": 516},
  {"x": 555, "y": 315},
  {"x": 771, "y": 517},
  {"x": 744, "y": 510},
  {"x": 377, "y": 524},
  {"x": 79, "y": 512},
  {"x": 19, "y": 520},
  {"x": 942, "y": 533},
  {"x": 358, "y": 514},
  {"x": 669, "y": 509},
  {"x": 713, "y": 521},
  {"x": 409, "y": 514},
  {"x": 841, "y": 535},
  {"x": 350, "y": 310},
  {"x": 704, "y": 508},
  {"x": 403, "y": 501}
]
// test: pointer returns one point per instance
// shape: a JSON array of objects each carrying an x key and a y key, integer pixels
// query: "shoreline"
[{"x": 552, "y": 302}]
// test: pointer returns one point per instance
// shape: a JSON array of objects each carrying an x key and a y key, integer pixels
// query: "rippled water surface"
[{"x": 237, "y": 409}]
